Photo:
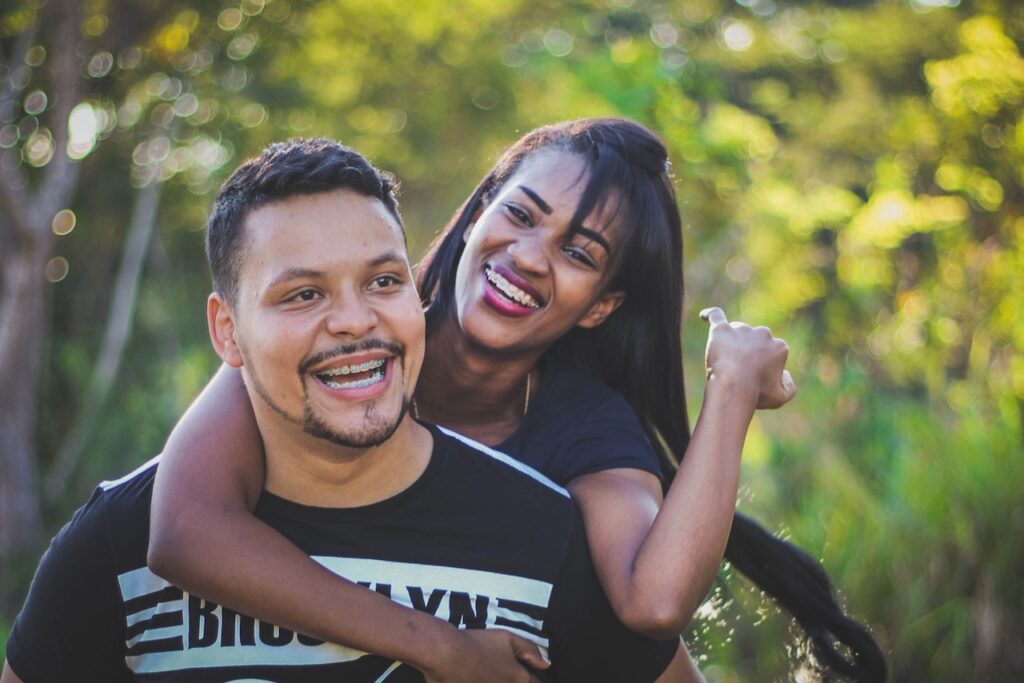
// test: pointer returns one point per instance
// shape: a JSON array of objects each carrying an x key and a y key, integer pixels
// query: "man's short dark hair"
[{"x": 285, "y": 169}]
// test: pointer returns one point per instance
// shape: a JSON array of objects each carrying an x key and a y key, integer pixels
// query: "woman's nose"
[{"x": 529, "y": 255}]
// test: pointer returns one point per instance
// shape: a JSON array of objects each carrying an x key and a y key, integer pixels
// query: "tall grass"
[{"x": 916, "y": 508}]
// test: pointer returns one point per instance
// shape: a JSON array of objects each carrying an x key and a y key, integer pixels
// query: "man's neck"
[{"x": 312, "y": 471}]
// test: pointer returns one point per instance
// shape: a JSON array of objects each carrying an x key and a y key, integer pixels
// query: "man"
[{"x": 316, "y": 304}]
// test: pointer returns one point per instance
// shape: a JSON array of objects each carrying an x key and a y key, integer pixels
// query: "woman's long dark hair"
[{"x": 638, "y": 349}]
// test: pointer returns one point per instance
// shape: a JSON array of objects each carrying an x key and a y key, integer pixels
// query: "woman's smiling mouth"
[{"x": 510, "y": 291}]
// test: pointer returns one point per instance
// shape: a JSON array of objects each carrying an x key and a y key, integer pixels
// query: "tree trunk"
[
  {"x": 22, "y": 325},
  {"x": 115, "y": 338},
  {"x": 27, "y": 240}
]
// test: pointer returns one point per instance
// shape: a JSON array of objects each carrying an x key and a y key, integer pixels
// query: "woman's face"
[{"x": 525, "y": 278}]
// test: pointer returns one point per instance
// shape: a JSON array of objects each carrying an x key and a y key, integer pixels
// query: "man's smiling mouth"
[{"x": 356, "y": 376}]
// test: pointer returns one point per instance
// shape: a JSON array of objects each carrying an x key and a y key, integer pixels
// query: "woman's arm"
[
  {"x": 8, "y": 675},
  {"x": 682, "y": 669},
  {"x": 657, "y": 565},
  {"x": 209, "y": 479}
]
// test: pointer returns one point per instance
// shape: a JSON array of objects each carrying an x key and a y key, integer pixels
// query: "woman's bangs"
[{"x": 607, "y": 182}]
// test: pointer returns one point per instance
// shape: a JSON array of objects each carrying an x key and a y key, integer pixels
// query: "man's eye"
[
  {"x": 385, "y": 281},
  {"x": 306, "y": 295}
]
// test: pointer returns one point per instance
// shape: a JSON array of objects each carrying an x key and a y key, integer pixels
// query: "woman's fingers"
[
  {"x": 528, "y": 653},
  {"x": 752, "y": 353},
  {"x": 714, "y": 316},
  {"x": 788, "y": 386}
]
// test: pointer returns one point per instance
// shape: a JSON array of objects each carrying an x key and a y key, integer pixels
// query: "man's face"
[{"x": 327, "y": 325}]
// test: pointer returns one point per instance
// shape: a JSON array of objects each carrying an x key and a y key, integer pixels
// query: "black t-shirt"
[
  {"x": 479, "y": 540},
  {"x": 577, "y": 425}
]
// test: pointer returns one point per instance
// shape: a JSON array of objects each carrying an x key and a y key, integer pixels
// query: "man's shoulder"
[
  {"x": 72, "y": 618},
  {"x": 122, "y": 498},
  {"x": 125, "y": 500},
  {"x": 116, "y": 517}
]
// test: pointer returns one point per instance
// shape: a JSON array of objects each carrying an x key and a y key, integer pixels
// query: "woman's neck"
[{"x": 471, "y": 389}]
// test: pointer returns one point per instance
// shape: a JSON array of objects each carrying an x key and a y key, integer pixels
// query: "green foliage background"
[{"x": 850, "y": 174}]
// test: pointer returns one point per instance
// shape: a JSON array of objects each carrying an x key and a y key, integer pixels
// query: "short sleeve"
[
  {"x": 608, "y": 437},
  {"x": 70, "y": 623},
  {"x": 588, "y": 642}
]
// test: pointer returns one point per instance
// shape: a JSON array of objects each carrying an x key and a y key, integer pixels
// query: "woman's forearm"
[
  {"x": 656, "y": 565},
  {"x": 260, "y": 573},
  {"x": 678, "y": 560}
]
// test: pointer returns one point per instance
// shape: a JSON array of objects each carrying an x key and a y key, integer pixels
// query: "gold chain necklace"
[{"x": 526, "y": 401}]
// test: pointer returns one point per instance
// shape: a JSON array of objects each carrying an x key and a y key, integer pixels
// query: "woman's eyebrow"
[
  {"x": 593, "y": 236},
  {"x": 541, "y": 204},
  {"x": 579, "y": 229}
]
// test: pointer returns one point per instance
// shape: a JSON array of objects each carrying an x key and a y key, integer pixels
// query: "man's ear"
[
  {"x": 601, "y": 309},
  {"x": 221, "y": 320}
]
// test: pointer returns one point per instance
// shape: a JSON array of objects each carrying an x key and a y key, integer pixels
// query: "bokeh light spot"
[
  {"x": 63, "y": 222},
  {"x": 96, "y": 25},
  {"x": 737, "y": 36},
  {"x": 83, "y": 129},
  {"x": 9, "y": 136},
  {"x": 558, "y": 42},
  {"x": 485, "y": 97},
  {"x": 253, "y": 7},
  {"x": 230, "y": 19},
  {"x": 57, "y": 269},
  {"x": 35, "y": 56},
  {"x": 100, "y": 64},
  {"x": 38, "y": 149},
  {"x": 35, "y": 103}
]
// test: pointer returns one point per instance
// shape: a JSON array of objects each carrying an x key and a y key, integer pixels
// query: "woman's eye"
[
  {"x": 519, "y": 214},
  {"x": 581, "y": 256}
]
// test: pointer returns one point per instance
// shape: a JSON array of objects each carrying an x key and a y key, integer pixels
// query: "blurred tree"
[
  {"x": 26, "y": 230},
  {"x": 75, "y": 75}
]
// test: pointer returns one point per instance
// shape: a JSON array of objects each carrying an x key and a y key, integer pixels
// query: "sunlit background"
[{"x": 849, "y": 171}]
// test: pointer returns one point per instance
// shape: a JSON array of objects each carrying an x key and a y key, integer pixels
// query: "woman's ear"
[
  {"x": 481, "y": 206},
  {"x": 601, "y": 309},
  {"x": 221, "y": 321}
]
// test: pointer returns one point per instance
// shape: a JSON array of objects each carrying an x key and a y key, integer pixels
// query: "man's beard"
[
  {"x": 375, "y": 432},
  {"x": 376, "y": 429}
]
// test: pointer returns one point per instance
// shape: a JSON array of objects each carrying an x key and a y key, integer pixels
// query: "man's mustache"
[{"x": 347, "y": 349}]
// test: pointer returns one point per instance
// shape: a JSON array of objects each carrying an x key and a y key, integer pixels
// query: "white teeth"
[
  {"x": 510, "y": 290},
  {"x": 350, "y": 369},
  {"x": 357, "y": 384}
]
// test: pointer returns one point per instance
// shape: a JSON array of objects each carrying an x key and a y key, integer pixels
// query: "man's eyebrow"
[
  {"x": 594, "y": 236},
  {"x": 295, "y": 273},
  {"x": 543, "y": 205},
  {"x": 390, "y": 256}
]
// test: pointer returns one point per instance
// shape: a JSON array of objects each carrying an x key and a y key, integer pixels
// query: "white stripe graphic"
[
  {"x": 508, "y": 460},
  {"x": 152, "y": 462},
  {"x": 388, "y": 672}
]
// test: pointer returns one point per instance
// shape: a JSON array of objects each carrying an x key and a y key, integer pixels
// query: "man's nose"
[{"x": 351, "y": 316}]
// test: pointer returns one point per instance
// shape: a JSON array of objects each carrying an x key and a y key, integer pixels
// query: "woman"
[{"x": 565, "y": 260}]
